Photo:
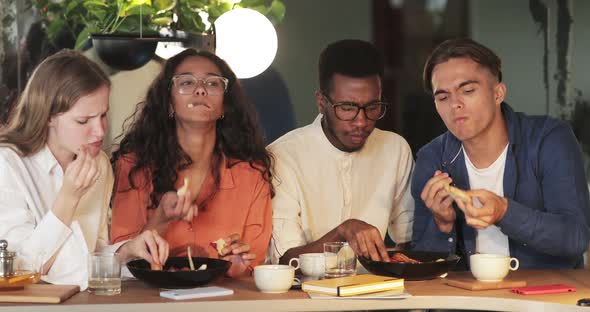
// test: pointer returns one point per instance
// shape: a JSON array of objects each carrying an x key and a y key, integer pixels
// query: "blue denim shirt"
[{"x": 548, "y": 216}]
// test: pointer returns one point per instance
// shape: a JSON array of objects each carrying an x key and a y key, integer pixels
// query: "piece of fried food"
[
  {"x": 181, "y": 191},
  {"x": 400, "y": 257},
  {"x": 457, "y": 194},
  {"x": 219, "y": 245}
]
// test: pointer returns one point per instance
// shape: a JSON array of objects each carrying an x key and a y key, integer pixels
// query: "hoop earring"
[
  {"x": 171, "y": 114},
  {"x": 222, "y": 116}
]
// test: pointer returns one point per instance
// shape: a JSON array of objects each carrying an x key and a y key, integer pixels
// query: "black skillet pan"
[
  {"x": 172, "y": 276},
  {"x": 429, "y": 268}
]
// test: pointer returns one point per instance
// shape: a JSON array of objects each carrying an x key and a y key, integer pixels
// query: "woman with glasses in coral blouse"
[{"x": 196, "y": 132}]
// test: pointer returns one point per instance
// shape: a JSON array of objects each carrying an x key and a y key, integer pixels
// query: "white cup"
[
  {"x": 312, "y": 264},
  {"x": 275, "y": 278},
  {"x": 490, "y": 267}
]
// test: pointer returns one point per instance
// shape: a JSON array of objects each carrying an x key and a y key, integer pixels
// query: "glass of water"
[
  {"x": 340, "y": 260},
  {"x": 104, "y": 273}
]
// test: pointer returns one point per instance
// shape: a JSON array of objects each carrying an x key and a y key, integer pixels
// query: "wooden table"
[{"x": 433, "y": 294}]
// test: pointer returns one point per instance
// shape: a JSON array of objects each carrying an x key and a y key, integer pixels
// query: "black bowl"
[
  {"x": 124, "y": 52},
  {"x": 179, "y": 279},
  {"x": 429, "y": 268}
]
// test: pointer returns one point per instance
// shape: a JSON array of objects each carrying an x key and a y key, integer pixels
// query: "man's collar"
[{"x": 452, "y": 146}]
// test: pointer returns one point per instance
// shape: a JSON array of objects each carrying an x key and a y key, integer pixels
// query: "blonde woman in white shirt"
[{"x": 56, "y": 182}]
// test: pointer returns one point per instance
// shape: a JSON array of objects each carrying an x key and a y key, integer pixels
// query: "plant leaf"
[
  {"x": 162, "y": 21},
  {"x": 54, "y": 27},
  {"x": 277, "y": 12},
  {"x": 71, "y": 5},
  {"x": 196, "y": 4},
  {"x": 90, "y": 3},
  {"x": 163, "y": 5},
  {"x": 215, "y": 10},
  {"x": 144, "y": 10},
  {"x": 252, "y": 3},
  {"x": 260, "y": 8},
  {"x": 83, "y": 36}
]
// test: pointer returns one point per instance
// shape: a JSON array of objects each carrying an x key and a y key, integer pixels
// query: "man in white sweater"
[{"x": 339, "y": 178}]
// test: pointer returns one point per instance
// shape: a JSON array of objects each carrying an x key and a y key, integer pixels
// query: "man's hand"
[
  {"x": 438, "y": 201},
  {"x": 492, "y": 211},
  {"x": 364, "y": 239}
]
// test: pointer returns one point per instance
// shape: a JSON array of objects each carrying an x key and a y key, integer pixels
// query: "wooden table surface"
[{"x": 432, "y": 294}]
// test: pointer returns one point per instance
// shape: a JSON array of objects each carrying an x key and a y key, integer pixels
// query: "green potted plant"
[{"x": 126, "y": 32}]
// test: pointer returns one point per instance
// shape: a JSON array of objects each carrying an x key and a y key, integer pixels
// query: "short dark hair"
[
  {"x": 461, "y": 48},
  {"x": 350, "y": 57}
]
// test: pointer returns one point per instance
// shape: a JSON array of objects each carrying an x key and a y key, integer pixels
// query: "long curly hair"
[{"x": 153, "y": 142}]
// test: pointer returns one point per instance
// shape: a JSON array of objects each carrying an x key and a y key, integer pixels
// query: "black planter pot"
[{"x": 124, "y": 52}]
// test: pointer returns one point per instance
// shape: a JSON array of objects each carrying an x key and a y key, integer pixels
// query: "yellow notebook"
[{"x": 353, "y": 285}]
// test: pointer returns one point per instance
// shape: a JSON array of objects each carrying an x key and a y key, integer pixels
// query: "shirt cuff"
[
  {"x": 400, "y": 232},
  {"x": 50, "y": 233}
]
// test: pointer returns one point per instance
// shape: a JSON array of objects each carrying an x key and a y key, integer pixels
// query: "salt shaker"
[{"x": 6, "y": 260}]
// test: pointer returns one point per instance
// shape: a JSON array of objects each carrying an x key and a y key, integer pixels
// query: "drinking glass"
[
  {"x": 104, "y": 273},
  {"x": 340, "y": 260}
]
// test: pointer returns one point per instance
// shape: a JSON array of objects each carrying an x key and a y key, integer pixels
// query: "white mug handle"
[
  {"x": 296, "y": 260},
  {"x": 515, "y": 267}
]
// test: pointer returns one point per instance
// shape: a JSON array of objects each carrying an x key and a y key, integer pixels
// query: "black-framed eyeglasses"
[
  {"x": 347, "y": 111},
  {"x": 187, "y": 84}
]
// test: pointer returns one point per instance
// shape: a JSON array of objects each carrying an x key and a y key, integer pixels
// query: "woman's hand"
[
  {"x": 238, "y": 253},
  {"x": 174, "y": 207},
  {"x": 80, "y": 175},
  {"x": 149, "y": 246}
]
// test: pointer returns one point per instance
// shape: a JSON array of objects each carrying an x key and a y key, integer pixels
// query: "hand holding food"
[
  {"x": 438, "y": 201},
  {"x": 182, "y": 191},
  {"x": 218, "y": 245},
  {"x": 491, "y": 212},
  {"x": 238, "y": 253},
  {"x": 365, "y": 239},
  {"x": 149, "y": 246},
  {"x": 457, "y": 194},
  {"x": 174, "y": 207},
  {"x": 80, "y": 174}
]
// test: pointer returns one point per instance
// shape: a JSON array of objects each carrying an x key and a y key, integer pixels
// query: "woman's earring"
[
  {"x": 171, "y": 114},
  {"x": 222, "y": 116}
]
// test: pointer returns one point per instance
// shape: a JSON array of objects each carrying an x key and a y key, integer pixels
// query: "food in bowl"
[
  {"x": 400, "y": 257},
  {"x": 185, "y": 269}
]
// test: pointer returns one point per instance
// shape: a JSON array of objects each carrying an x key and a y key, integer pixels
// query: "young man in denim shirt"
[{"x": 524, "y": 174}]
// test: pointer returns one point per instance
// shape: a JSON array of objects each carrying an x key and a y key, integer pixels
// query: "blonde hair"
[{"x": 54, "y": 87}]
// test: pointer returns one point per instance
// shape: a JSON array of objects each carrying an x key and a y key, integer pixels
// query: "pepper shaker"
[{"x": 6, "y": 260}]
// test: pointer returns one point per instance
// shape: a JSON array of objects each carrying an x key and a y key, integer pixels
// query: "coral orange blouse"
[{"x": 242, "y": 205}]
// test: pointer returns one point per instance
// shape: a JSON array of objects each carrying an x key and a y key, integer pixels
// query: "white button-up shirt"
[
  {"x": 28, "y": 188},
  {"x": 318, "y": 186}
]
